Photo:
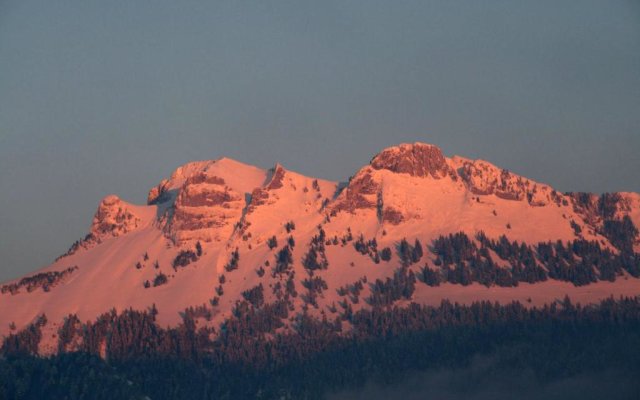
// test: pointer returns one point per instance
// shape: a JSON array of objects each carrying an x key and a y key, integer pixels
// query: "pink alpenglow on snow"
[{"x": 216, "y": 229}]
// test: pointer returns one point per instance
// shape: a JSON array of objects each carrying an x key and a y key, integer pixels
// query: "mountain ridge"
[{"x": 215, "y": 230}]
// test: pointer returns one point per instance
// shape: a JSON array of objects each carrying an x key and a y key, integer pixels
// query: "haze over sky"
[{"x": 100, "y": 97}]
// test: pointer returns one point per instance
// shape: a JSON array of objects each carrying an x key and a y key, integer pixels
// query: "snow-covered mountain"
[{"x": 217, "y": 231}]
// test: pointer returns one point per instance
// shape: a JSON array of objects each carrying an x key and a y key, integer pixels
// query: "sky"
[{"x": 100, "y": 97}]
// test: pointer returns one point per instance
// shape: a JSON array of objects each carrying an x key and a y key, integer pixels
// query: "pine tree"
[{"x": 416, "y": 252}]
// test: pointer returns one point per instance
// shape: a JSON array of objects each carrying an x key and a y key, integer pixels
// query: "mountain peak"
[
  {"x": 415, "y": 159},
  {"x": 236, "y": 175}
]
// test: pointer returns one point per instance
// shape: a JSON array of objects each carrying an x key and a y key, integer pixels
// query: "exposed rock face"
[
  {"x": 365, "y": 190},
  {"x": 203, "y": 203},
  {"x": 484, "y": 178},
  {"x": 203, "y": 191},
  {"x": 113, "y": 218},
  {"x": 392, "y": 216},
  {"x": 158, "y": 194},
  {"x": 361, "y": 193},
  {"x": 418, "y": 159},
  {"x": 204, "y": 178},
  {"x": 277, "y": 178},
  {"x": 204, "y": 200},
  {"x": 260, "y": 196}
]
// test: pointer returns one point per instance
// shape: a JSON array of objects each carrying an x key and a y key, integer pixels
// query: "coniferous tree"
[
  {"x": 385, "y": 254},
  {"x": 416, "y": 252}
]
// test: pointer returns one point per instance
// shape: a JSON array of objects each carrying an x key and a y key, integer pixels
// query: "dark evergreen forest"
[{"x": 316, "y": 359}]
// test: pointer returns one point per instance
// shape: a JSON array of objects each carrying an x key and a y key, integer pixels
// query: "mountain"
[{"x": 411, "y": 226}]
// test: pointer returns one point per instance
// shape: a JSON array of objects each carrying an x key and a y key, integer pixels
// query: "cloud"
[{"x": 485, "y": 380}]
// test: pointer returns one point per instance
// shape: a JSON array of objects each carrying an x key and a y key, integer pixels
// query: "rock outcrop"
[
  {"x": 483, "y": 178},
  {"x": 113, "y": 218},
  {"x": 205, "y": 209},
  {"x": 418, "y": 159}
]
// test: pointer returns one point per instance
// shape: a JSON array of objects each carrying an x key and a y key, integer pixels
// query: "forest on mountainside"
[
  {"x": 385, "y": 346},
  {"x": 272, "y": 349}
]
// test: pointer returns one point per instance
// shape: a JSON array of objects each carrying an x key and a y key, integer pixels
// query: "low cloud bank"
[{"x": 485, "y": 380}]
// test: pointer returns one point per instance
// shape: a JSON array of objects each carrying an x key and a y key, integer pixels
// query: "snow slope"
[{"x": 407, "y": 191}]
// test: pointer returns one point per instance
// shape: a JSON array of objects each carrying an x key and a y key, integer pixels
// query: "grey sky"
[{"x": 100, "y": 97}]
